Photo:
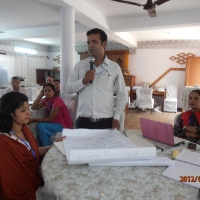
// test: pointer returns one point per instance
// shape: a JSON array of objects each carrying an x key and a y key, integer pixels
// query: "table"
[
  {"x": 185, "y": 97},
  {"x": 83, "y": 182}
]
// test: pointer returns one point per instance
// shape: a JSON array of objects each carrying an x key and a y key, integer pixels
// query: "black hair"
[
  {"x": 56, "y": 80},
  {"x": 103, "y": 35},
  {"x": 197, "y": 91},
  {"x": 50, "y": 77},
  {"x": 9, "y": 103},
  {"x": 15, "y": 77},
  {"x": 50, "y": 85}
]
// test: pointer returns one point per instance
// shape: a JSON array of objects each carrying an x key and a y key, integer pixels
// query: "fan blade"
[
  {"x": 159, "y": 2},
  {"x": 128, "y": 2},
  {"x": 152, "y": 13}
]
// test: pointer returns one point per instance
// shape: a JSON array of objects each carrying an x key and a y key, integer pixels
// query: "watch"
[{"x": 185, "y": 127}]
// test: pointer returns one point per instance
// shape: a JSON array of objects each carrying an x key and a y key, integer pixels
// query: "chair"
[
  {"x": 171, "y": 101},
  {"x": 71, "y": 101},
  {"x": 144, "y": 98},
  {"x": 32, "y": 93},
  {"x": 176, "y": 118},
  {"x": 128, "y": 91}
]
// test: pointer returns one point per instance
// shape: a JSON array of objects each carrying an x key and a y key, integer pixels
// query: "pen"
[
  {"x": 199, "y": 192},
  {"x": 125, "y": 133},
  {"x": 159, "y": 148}
]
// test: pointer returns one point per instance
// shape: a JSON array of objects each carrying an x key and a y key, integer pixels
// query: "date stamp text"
[{"x": 189, "y": 178}]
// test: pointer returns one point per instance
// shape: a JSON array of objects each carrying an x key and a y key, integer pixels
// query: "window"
[{"x": 3, "y": 71}]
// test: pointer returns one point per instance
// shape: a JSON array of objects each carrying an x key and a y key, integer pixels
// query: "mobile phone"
[
  {"x": 158, "y": 149},
  {"x": 191, "y": 146}
]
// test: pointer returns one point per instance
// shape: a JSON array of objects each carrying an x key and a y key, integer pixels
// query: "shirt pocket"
[{"x": 107, "y": 81}]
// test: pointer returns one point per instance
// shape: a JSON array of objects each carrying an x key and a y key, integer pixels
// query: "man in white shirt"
[
  {"x": 96, "y": 109},
  {"x": 15, "y": 82}
]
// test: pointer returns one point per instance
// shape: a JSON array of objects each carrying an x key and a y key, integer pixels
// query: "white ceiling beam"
[
  {"x": 92, "y": 17},
  {"x": 39, "y": 32},
  {"x": 31, "y": 32}
]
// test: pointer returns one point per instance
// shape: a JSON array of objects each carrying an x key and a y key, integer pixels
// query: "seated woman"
[
  {"x": 188, "y": 123},
  {"x": 58, "y": 115},
  {"x": 56, "y": 83},
  {"x": 19, "y": 152}
]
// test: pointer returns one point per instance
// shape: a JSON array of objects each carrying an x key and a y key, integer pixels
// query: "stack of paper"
[
  {"x": 106, "y": 148},
  {"x": 84, "y": 146},
  {"x": 157, "y": 161},
  {"x": 140, "y": 143},
  {"x": 186, "y": 168}
]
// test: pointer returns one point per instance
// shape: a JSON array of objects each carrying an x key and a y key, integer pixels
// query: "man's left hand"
[{"x": 115, "y": 124}]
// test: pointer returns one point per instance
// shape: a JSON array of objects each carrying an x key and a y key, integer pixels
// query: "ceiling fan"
[{"x": 149, "y": 6}]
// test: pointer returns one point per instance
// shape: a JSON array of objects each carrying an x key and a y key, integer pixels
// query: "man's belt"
[{"x": 90, "y": 119}]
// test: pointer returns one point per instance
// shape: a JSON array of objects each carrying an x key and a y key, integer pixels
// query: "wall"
[
  {"x": 8, "y": 46},
  {"x": 54, "y": 55},
  {"x": 150, "y": 63},
  {"x": 32, "y": 61},
  {"x": 147, "y": 62}
]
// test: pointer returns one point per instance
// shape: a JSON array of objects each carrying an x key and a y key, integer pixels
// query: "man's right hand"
[{"x": 89, "y": 76}]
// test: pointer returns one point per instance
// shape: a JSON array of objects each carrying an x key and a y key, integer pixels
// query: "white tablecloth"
[{"x": 64, "y": 182}]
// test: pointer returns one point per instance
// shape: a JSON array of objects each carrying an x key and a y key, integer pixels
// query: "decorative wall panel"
[
  {"x": 168, "y": 44},
  {"x": 57, "y": 59},
  {"x": 181, "y": 57}
]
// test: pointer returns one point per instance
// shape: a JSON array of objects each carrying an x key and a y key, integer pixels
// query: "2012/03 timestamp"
[{"x": 189, "y": 178}]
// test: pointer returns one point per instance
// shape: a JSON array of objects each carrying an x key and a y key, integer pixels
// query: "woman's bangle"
[{"x": 184, "y": 128}]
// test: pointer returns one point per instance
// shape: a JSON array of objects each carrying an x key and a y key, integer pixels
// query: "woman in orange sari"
[{"x": 19, "y": 153}]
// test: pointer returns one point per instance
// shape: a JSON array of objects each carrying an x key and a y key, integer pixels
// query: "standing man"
[
  {"x": 96, "y": 102},
  {"x": 15, "y": 82}
]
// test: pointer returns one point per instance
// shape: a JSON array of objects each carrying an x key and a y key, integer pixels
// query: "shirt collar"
[
  {"x": 106, "y": 61},
  {"x": 15, "y": 90}
]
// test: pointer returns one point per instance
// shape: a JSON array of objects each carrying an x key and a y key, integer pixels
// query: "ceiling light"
[{"x": 24, "y": 50}]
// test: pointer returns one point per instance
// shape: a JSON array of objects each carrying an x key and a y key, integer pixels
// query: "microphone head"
[{"x": 91, "y": 59}]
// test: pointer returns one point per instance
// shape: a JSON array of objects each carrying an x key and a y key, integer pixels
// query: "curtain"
[
  {"x": 35, "y": 62},
  {"x": 17, "y": 65},
  {"x": 3, "y": 71},
  {"x": 24, "y": 65}
]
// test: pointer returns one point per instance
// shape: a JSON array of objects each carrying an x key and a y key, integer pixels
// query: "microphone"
[{"x": 91, "y": 61}]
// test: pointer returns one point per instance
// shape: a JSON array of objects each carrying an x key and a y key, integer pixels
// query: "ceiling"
[{"x": 39, "y": 20}]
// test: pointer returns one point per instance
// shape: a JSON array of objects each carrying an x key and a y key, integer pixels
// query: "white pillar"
[{"x": 67, "y": 46}]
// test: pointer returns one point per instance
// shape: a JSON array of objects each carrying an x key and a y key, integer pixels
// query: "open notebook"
[
  {"x": 160, "y": 132},
  {"x": 186, "y": 168}
]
